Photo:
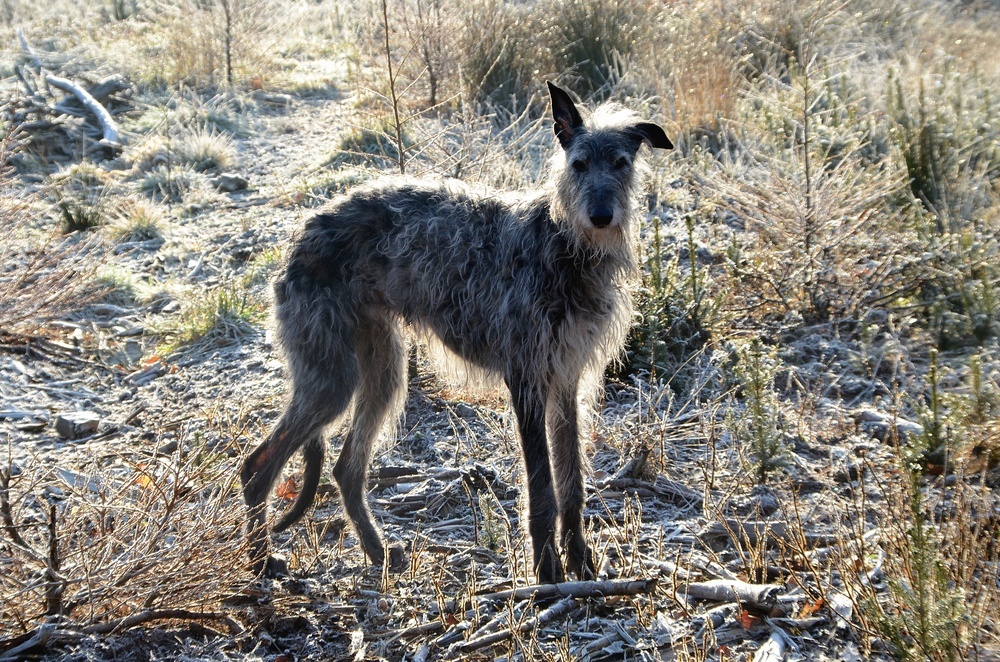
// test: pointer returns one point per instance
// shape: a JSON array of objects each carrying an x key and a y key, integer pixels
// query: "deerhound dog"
[{"x": 532, "y": 287}]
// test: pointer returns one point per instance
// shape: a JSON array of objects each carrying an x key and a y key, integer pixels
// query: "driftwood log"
[
  {"x": 108, "y": 125},
  {"x": 111, "y": 137}
]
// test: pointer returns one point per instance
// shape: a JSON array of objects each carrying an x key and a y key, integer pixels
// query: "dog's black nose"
[{"x": 601, "y": 218}]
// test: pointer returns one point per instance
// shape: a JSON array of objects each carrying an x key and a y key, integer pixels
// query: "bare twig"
[
  {"x": 592, "y": 589},
  {"x": 54, "y": 588},
  {"x": 397, "y": 125},
  {"x": 759, "y": 596},
  {"x": 557, "y": 611},
  {"x": 5, "y": 511}
]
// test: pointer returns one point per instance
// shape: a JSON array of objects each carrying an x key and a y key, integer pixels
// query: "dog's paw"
[
  {"x": 397, "y": 559},
  {"x": 276, "y": 567}
]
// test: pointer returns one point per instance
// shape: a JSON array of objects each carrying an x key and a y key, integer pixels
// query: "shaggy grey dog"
[{"x": 531, "y": 286}]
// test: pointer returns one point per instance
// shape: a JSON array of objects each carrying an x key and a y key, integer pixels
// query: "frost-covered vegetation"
[{"x": 808, "y": 401}]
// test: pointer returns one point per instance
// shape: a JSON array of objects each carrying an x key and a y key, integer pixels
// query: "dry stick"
[
  {"x": 424, "y": 628},
  {"x": 108, "y": 124},
  {"x": 555, "y": 612},
  {"x": 54, "y": 587},
  {"x": 592, "y": 589},
  {"x": 759, "y": 596},
  {"x": 29, "y": 52},
  {"x": 392, "y": 90},
  {"x": 163, "y": 615},
  {"x": 5, "y": 512}
]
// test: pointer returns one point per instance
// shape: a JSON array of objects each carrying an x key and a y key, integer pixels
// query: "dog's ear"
[
  {"x": 652, "y": 135},
  {"x": 568, "y": 122}
]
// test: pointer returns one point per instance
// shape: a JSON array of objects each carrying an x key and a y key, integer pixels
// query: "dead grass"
[
  {"x": 834, "y": 196},
  {"x": 119, "y": 542},
  {"x": 45, "y": 274}
]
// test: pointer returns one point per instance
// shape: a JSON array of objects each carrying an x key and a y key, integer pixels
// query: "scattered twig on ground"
[
  {"x": 592, "y": 589},
  {"x": 557, "y": 611}
]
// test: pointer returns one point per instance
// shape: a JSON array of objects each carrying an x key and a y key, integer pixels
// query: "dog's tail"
[{"x": 312, "y": 453}]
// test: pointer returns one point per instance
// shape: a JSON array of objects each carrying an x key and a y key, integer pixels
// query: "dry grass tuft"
[
  {"x": 44, "y": 274},
  {"x": 113, "y": 542}
]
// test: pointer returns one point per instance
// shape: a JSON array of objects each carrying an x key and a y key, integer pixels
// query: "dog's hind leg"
[
  {"x": 319, "y": 396},
  {"x": 381, "y": 390},
  {"x": 568, "y": 469},
  {"x": 313, "y": 452}
]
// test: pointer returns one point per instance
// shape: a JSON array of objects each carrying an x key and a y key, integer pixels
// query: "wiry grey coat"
[{"x": 533, "y": 287}]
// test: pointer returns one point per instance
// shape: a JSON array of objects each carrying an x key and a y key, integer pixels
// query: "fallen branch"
[
  {"x": 567, "y": 590},
  {"x": 771, "y": 534},
  {"x": 163, "y": 615},
  {"x": 26, "y": 642},
  {"x": 773, "y": 650},
  {"x": 557, "y": 611},
  {"x": 111, "y": 137},
  {"x": 758, "y": 596},
  {"x": 619, "y": 633},
  {"x": 47, "y": 631},
  {"x": 108, "y": 124}
]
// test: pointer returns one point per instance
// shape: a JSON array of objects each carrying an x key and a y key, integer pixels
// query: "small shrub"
[
  {"x": 957, "y": 284},
  {"x": 152, "y": 152},
  {"x": 369, "y": 146},
  {"x": 493, "y": 524},
  {"x": 756, "y": 425},
  {"x": 167, "y": 184},
  {"x": 700, "y": 86},
  {"x": 950, "y": 142},
  {"x": 141, "y": 538},
  {"x": 137, "y": 219},
  {"x": 937, "y": 567},
  {"x": 42, "y": 277},
  {"x": 318, "y": 188},
  {"x": 221, "y": 315},
  {"x": 118, "y": 285},
  {"x": 829, "y": 239},
  {"x": 593, "y": 40},
  {"x": 205, "y": 150},
  {"x": 211, "y": 44},
  {"x": 201, "y": 149},
  {"x": 80, "y": 214},
  {"x": 498, "y": 57},
  {"x": 81, "y": 177},
  {"x": 672, "y": 311}
]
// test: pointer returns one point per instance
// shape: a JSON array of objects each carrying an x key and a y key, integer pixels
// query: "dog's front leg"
[
  {"x": 568, "y": 466},
  {"x": 529, "y": 406}
]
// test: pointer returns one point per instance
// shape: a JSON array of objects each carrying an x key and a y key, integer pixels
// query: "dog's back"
[{"x": 494, "y": 277}]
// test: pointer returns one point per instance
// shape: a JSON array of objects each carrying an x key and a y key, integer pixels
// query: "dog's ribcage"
[{"x": 495, "y": 278}]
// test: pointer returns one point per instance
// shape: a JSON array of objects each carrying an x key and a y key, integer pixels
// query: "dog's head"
[{"x": 596, "y": 176}]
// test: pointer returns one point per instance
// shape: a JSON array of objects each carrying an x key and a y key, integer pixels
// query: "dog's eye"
[
  {"x": 579, "y": 165},
  {"x": 620, "y": 163}
]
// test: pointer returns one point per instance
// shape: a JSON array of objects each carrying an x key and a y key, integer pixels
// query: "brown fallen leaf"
[
  {"x": 748, "y": 620},
  {"x": 287, "y": 489},
  {"x": 810, "y": 608}
]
